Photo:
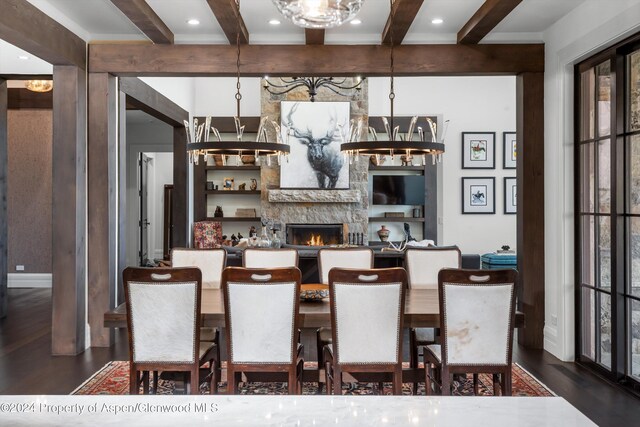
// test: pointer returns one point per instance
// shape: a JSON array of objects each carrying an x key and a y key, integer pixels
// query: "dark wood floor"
[{"x": 27, "y": 367}]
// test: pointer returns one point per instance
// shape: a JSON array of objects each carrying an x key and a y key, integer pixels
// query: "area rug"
[{"x": 113, "y": 379}]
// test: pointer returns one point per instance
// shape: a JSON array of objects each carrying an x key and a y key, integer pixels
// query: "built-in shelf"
[
  {"x": 233, "y": 219},
  {"x": 221, "y": 192},
  {"x": 396, "y": 168},
  {"x": 395, "y": 219},
  {"x": 233, "y": 168}
]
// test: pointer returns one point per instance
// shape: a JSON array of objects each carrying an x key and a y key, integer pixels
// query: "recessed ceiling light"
[
  {"x": 274, "y": 22},
  {"x": 193, "y": 22},
  {"x": 356, "y": 22},
  {"x": 23, "y": 57},
  {"x": 437, "y": 21}
]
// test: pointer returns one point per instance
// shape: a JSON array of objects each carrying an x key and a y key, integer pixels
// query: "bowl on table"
[{"x": 314, "y": 292}]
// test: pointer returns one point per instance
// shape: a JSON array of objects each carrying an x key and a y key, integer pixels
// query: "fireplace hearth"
[{"x": 314, "y": 234}]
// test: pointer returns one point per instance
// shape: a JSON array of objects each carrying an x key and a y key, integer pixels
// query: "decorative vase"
[
  {"x": 264, "y": 241},
  {"x": 276, "y": 243},
  {"x": 383, "y": 233}
]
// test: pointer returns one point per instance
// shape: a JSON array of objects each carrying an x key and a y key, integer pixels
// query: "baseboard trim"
[{"x": 29, "y": 280}]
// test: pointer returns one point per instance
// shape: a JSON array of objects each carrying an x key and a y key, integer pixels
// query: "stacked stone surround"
[{"x": 317, "y": 206}]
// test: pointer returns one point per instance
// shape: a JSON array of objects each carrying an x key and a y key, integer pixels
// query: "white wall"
[
  {"x": 471, "y": 104},
  {"x": 583, "y": 32},
  {"x": 161, "y": 174},
  {"x": 216, "y": 97}
]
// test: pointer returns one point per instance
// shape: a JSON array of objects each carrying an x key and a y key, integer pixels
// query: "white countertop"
[{"x": 288, "y": 411}]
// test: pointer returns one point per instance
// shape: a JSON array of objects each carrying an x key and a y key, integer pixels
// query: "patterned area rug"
[{"x": 113, "y": 378}]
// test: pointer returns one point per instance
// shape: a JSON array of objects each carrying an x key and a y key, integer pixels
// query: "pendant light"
[{"x": 318, "y": 13}]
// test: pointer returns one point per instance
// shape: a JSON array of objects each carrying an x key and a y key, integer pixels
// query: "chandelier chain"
[
  {"x": 238, "y": 94},
  {"x": 392, "y": 94}
]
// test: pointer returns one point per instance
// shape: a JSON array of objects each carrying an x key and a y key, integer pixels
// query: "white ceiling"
[{"x": 101, "y": 20}]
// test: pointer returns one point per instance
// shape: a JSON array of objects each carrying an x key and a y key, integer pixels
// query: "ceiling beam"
[
  {"x": 403, "y": 13},
  {"x": 142, "y": 15},
  {"x": 28, "y": 28},
  {"x": 325, "y": 60},
  {"x": 313, "y": 36},
  {"x": 485, "y": 20},
  {"x": 145, "y": 98},
  {"x": 228, "y": 15}
]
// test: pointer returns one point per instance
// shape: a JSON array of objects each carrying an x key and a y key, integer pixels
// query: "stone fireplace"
[
  {"x": 308, "y": 206},
  {"x": 314, "y": 234}
]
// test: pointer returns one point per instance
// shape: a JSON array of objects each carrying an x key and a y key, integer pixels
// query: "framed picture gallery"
[
  {"x": 509, "y": 152},
  {"x": 510, "y": 196},
  {"x": 478, "y": 150},
  {"x": 478, "y": 195}
]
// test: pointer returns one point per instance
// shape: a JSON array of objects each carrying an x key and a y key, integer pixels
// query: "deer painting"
[{"x": 325, "y": 160}]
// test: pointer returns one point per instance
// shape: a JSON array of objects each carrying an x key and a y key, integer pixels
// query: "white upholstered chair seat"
[
  {"x": 209, "y": 261},
  {"x": 435, "y": 350},
  {"x": 269, "y": 258},
  {"x": 425, "y": 335}
]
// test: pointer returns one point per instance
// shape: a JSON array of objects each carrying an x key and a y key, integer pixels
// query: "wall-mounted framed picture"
[
  {"x": 478, "y": 150},
  {"x": 312, "y": 129},
  {"x": 478, "y": 195},
  {"x": 227, "y": 184},
  {"x": 510, "y": 195},
  {"x": 509, "y": 153}
]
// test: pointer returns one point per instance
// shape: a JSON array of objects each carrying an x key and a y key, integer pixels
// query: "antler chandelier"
[
  {"x": 319, "y": 13},
  {"x": 198, "y": 143},
  {"x": 313, "y": 84},
  {"x": 396, "y": 144}
]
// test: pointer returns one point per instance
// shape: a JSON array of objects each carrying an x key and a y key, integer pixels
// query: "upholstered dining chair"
[
  {"x": 261, "y": 314},
  {"x": 328, "y": 258},
  {"x": 163, "y": 316},
  {"x": 423, "y": 266},
  {"x": 211, "y": 262},
  {"x": 367, "y": 310},
  {"x": 269, "y": 258},
  {"x": 477, "y": 311}
]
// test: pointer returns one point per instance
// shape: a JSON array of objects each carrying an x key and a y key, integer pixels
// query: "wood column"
[
  {"x": 103, "y": 184},
  {"x": 4, "y": 171},
  {"x": 122, "y": 195},
  {"x": 180, "y": 201},
  {"x": 530, "y": 200},
  {"x": 69, "y": 210}
]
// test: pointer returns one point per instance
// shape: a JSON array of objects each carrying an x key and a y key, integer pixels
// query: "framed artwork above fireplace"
[{"x": 312, "y": 129}]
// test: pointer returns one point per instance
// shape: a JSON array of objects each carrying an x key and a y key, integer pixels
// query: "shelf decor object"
[
  {"x": 313, "y": 84},
  {"x": 318, "y": 13},
  {"x": 510, "y": 196},
  {"x": 478, "y": 150},
  {"x": 396, "y": 144},
  {"x": 198, "y": 135},
  {"x": 509, "y": 153},
  {"x": 478, "y": 195}
]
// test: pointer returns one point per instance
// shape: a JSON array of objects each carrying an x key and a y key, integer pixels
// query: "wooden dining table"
[{"x": 421, "y": 310}]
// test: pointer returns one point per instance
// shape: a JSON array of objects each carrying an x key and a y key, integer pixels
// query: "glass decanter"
[{"x": 263, "y": 241}]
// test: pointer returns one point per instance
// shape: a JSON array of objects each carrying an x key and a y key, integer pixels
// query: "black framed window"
[{"x": 608, "y": 212}]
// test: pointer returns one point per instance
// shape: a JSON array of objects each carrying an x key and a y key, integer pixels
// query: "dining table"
[{"x": 421, "y": 310}]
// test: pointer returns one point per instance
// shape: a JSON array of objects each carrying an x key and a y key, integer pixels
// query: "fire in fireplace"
[{"x": 314, "y": 234}]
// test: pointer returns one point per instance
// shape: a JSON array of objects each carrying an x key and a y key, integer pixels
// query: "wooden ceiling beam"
[
  {"x": 228, "y": 14},
  {"x": 142, "y": 15},
  {"x": 312, "y": 36},
  {"x": 490, "y": 14},
  {"x": 325, "y": 60},
  {"x": 404, "y": 12},
  {"x": 28, "y": 28}
]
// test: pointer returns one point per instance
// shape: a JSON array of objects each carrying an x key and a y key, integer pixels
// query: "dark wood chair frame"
[
  {"x": 293, "y": 369},
  {"x": 271, "y": 250},
  {"x": 441, "y": 370},
  {"x": 364, "y": 371},
  {"x": 414, "y": 343},
  {"x": 159, "y": 277},
  {"x": 320, "y": 343}
]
